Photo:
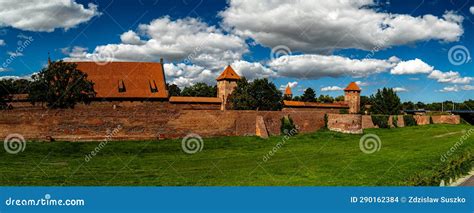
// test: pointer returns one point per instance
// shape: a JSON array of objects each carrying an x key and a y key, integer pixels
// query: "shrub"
[
  {"x": 431, "y": 120},
  {"x": 381, "y": 121},
  {"x": 395, "y": 121},
  {"x": 326, "y": 121},
  {"x": 343, "y": 111},
  {"x": 287, "y": 126},
  {"x": 409, "y": 120}
]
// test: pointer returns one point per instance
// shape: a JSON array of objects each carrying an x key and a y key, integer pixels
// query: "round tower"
[
  {"x": 352, "y": 97},
  {"x": 226, "y": 83}
]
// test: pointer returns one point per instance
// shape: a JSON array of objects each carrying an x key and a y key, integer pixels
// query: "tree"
[
  {"x": 386, "y": 102},
  {"x": 257, "y": 95},
  {"x": 173, "y": 90},
  {"x": 408, "y": 105},
  {"x": 4, "y": 94},
  {"x": 325, "y": 99},
  {"x": 309, "y": 95},
  {"x": 61, "y": 85},
  {"x": 340, "y": 98},
  {"x": 200, "y": 90},
  {"x": 420, "y": 105},
  {"x": 364, "y": 101}
]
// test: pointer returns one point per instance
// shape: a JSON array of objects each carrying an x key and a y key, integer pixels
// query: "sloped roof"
[
  {"x": 185, "y": 99},
  {"x": 314, "y": 105},
  {"x": 228, "y": 74},
  {"x": 288, "y": 90},
  {"x": 126, "y": 79},
  {"x": 352, "y": 87}
]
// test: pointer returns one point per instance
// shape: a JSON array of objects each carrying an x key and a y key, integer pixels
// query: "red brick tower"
[
  {"x": 352, "y": 97},
  {"x": 226, "y": 83}
]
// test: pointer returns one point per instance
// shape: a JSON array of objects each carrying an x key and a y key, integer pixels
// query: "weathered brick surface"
[{"x": 345, "y": 123}]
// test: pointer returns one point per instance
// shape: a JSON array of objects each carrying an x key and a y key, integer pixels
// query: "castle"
[{"x": 145, "y": 81}]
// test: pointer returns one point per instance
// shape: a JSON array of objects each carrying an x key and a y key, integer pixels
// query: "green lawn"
[{"x": 321, "y": 158}]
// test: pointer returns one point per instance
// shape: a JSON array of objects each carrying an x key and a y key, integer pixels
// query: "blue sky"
[{"x": 319, "y": 44}]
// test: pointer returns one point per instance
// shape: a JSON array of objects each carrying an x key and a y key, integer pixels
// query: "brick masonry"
[{"x": 159, "y": 120}]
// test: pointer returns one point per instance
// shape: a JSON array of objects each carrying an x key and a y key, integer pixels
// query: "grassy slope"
[{"x": 322, "y": 158}]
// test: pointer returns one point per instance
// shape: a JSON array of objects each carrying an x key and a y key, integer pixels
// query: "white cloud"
[
  {"x": 2, "y": 42},
  {"x": 187, "y": 39},
  {"x": 415, "y": 66},
  {"x": 252, "y": 70},
  {"x": 2, "y": 69},
  {"x": 44, "y": 16},
  {"x": 318, "y": 66},
  {"x": 291, "y": 84},
  {"x": 320, "y": 25},
  {"x": 130, "y": 37},
  {"x": 457, "y": 88},
  {"x": 449, "y": 77},
  {"x": 184, "y": 75},
  {"x": 331, "y": 88},
  {"x": 471, "y": 9},
  {"x": 362, "y": 84},
  {"x": 400, "y": 89}
]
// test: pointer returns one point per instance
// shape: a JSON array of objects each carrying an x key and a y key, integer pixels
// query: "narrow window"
[
  {"x": 121, "y": 86},
  {"x": 153, "y": 87}
]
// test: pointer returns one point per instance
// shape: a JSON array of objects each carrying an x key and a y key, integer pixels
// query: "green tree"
[
  {"x": 4, "y": 94},
  {"x": 173, "y": 90},
  {"x": 340, "y": 98},
  {"x": 325, "y": 99},
  {"x": 364, "y": 101},
  {"x": 420, "y": 105},
  {"x": 200, "y": 90},
  {"x": 257, "y": 95},
  {"x": 408, "y": 105},
  {"x": 386, "y": 102},
  {"x": 61, "y": 85},
  {"x": 309, "y": 95}
]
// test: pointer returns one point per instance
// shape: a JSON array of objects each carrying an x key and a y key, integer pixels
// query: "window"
[
  {"x": 153, "y": 87},
  {"x": 121, "y": 86}
]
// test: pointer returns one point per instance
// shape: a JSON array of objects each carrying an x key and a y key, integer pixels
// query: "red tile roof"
[
  {"x": 314, "y": 105},
  {"x": 185, "y": 99},
  {"x": 126, "y": 79},
  {"x": 288, "y": 90},
  {"x": 352, "y": 87},
  {"x": 228, "y": 74}
]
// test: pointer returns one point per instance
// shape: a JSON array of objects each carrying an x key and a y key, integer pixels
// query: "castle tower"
[
  {"x": 288, "y": 94},
  {"x": 352, "y": 97},
  {"x": 226, "y": 83}
]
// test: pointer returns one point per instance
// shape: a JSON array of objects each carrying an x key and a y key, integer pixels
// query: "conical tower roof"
[{"x": 228, "y": 74}]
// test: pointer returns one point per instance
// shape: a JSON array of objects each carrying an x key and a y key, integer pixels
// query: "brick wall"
[{"x": 345, "y": 123}]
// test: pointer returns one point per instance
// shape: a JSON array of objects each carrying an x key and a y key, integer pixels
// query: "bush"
[
  {"x": 395, "y": 121},
  {"x": 381, "y": 121},
  {"x": 343, "y": 111},
  {"x": 409, "y": 120},
  {"x": 287, "y": 126},
  {"x": 326, "y": 121},
  {"x": 431, "y": 120}
]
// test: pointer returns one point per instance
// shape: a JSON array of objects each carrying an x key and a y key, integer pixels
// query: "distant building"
[
  {"x": 288, "y": 94},
  {"x": 226, "y": 83},
  {"x": 352, "y": 97}
]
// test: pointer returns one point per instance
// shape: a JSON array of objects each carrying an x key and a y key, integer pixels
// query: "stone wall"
[
  {"x": 345, "y": 123},
  {"x": 159, "y": 120},
  {"x": 420, "y": 120}
]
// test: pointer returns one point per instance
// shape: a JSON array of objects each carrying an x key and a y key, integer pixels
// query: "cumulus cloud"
[
  {"x": 290, "y": 84},
  {"x": 252, "y": 70},
  {"x": 188, "y": 39},
  {"x": 184, "y": 75},
  {"x": 331, "y": 88},
  {"x": 449, "y": 77},
  {"x": 321, "y": 26},
  {"x": 457, "y": 88},
  {"x": 318, "y": 66},
  {"x": 2, "y": 42},
  {"x": 44, "y": 16},
  {"x": 362, "y": 84},
  {"x": 471, "y": 9},
  {"x": 415, "y": 66},
  {"x": 400, "y": 89},
  {"x": 130, "y": 37}
]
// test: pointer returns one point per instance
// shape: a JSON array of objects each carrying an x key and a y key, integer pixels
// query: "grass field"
[{"x": 321, "y": 158}]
